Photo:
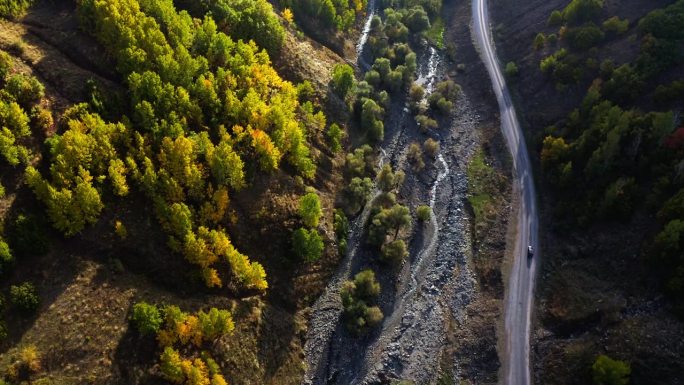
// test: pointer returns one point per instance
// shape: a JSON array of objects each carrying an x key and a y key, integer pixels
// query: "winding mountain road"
[{"x": 519, "y": 296}]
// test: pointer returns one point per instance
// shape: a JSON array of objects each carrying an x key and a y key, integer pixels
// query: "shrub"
[
  {"x": 555, "y": 19},
  {"x": 27, "y": 236},
  {"x": 215, "y": 323},
  {"x": 5, "y": 64},
  {"x": 416, "y": 95},
  {"x": 307, "y": 244},
  {"x": 26, "y": 363},
  {"x": 539, "y": 41},
  {"x": 14, "y": 8},
  {"x": 511, "y": 69},
  {"x": 606, "y": 371},
  {"x": 24, "y": 297},
  {"x": 287, "y": 15},
  {"x": 431, "y": 147},
  {"x": 415, "y": 157},
  {"x": 305, "y": 92},
  {"x": 146, "y": 318},
  {"x": 616, "y": 26},
  {"x": 42, "y": 119},
  {"x": 120, "y": 230},
  {"x": 423, "y": 212},
  {"x": 310, "y": 209},
  {"x": 6, "y": 257},
  {"x": 582, "y": 10},
  {"x": 552, "y": 39},
  {"x": 25, "y": 89},
  {"x": 425, "y": 123},
  {"x": 3, "y": 334},
  {"x": 584, "y": 37}
]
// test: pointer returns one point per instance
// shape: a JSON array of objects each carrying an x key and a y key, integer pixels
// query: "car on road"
[{"x": 530, "y": 251}]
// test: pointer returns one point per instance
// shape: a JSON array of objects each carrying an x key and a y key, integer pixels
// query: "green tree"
[
  {"x": 25, "y": 297},
  {"x": 357, "y": 298},
  {"x": 170, "y": 364},
  {"x": 343, "y": 79},
  {"x": 310, "y": 209},
  {"x": 371, "y": 120},
  {"x": 356, "y": 194},
  {"x": 607, "y": 371},
  {"x": 366, "y": 286},
  {"x": 394, "y": 252},
  {"x": 215, "y": 323},
  {"x": 389, "y": 180},
  {"x": 386, "y": 221},
  {"x": 146, "y": 318},
  {"x": 334, "y": 136},
  {"x": 423, "y": 212},
  {"x": 341, "y": 230},
  {"x": 307, "y": 244}
]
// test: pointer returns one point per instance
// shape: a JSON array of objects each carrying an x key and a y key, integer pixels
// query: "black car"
[{"x": 530, "y": 251}]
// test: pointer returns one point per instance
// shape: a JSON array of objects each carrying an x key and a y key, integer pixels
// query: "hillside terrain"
[
  {"x": 599, "y": 87},
  {"x": 319, "y": 192},
  {"x": 188, "y": 188},
  {"x": 82, "y": 269}
]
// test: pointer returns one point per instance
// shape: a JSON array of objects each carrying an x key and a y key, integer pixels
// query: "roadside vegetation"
[{"x": 485, "y": 191}]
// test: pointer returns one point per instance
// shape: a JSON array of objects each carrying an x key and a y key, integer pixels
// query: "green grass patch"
[
  {"x": 482, "y": 188},
  {"x": 435, "y": 34}
]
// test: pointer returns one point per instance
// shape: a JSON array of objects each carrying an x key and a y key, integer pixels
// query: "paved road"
[{"x": 520, "y": 290}]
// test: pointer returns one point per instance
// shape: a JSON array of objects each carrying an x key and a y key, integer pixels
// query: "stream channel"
[{"x": 435, "y": 284}]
